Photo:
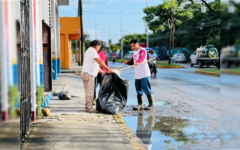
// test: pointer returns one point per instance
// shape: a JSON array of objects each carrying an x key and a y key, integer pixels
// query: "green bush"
[
  {"x": 13, "y": 99},
  {"x": 40, "y": 96}
]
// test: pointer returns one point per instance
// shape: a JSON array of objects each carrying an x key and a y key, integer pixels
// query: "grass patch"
[
  {"x": 161, "y": 64},
  {"x": 55, "y": 94},
  {"x": 118, "y": 60},
  {"x": 121, "y": 60},
  {"x": 211, "y": 70}
]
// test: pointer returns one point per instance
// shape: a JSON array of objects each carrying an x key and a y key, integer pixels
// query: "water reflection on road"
[
  {"x": 187, "y": 112},
  {"x": 166, "y": 132}
]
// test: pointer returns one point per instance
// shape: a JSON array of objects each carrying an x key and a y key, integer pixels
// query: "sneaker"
[{"x": 92, "y": 111}]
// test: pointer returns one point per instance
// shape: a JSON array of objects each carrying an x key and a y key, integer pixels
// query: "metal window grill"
[
  {"x": 0, "y": 94},
  {"x": 25, "y": 78}
]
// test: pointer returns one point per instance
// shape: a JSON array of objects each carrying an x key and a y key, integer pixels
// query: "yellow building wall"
[{"x": 70, "y": 29}]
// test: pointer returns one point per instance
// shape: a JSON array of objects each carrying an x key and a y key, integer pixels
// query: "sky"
[{"x": 98, "y": 13}]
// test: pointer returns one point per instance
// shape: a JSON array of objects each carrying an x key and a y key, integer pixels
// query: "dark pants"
[
  {"x": 153, "y": 69},
  {"x": 143, "y": 85},
  {"x": 98, "y": 80}
]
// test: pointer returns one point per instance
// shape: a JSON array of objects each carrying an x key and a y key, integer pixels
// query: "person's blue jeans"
[{"x": 143, "y": 85}]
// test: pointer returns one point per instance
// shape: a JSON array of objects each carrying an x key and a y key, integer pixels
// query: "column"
[
  {"x": 58, "y": 43},
  {"x": 53, "y": 39},
  {"x": 40, "y": 42},
  {"x": 33, "y": 57}
]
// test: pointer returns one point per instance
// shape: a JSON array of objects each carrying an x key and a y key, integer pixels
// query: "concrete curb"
[
  {"x": 47, "y": 100},
  {"x": 209, "y": 73},
  {"x": 132, "y": 138},
  {"x": 164, "y": 66},
  {"x": 230, "y": 72},
  {"x": 119, "y": 119}
]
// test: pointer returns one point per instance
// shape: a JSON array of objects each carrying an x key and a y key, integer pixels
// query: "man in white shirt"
[
  {"x": 142, "y": 76},
  {"x": 90, "y": 70},
  {"x": 152, "y": 54}
]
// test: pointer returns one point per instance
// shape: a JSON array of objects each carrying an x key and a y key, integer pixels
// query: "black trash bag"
[
  {"x": 64, "y": 95},
  {"x": 112, "y": 97}
]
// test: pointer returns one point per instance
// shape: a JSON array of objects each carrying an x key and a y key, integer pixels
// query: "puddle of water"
[
  {"x": 132, "y": 101},
  {"x": 164, "y": 132}
]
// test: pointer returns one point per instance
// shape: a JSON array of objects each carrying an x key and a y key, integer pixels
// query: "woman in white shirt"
[{"x": 90, "y": 70}]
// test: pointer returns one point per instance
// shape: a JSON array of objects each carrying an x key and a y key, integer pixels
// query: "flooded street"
[{"x": 186, "y": 115}]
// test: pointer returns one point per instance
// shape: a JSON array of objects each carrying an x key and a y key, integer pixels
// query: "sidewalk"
[
  {"x": 70, "y": 127},
  {"x": 75, "y": 68}
]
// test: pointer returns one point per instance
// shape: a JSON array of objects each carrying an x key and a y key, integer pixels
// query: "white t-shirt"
[
  {"x": 151, "y": 56},
  {"x": 142, "y": 70},
  {"x": 89, "y": 64}
]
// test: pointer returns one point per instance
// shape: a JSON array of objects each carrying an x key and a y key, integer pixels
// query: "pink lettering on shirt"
[{"x": 135, "y": 57}]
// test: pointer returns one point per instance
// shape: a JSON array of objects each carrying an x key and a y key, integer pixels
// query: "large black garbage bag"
[{"x": 112, "y": 97}]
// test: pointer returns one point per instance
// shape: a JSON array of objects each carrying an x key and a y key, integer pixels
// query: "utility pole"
[
  {"x": 95, "y": 29},
  {"x": 147, "y": 28},
  {"x": 109, "y": 28},
  {"x": 121, "y": 38},
  {"x": 121, "y": 31},
  {"x": 80, "y": 14},
  {"x": 203, "y": 10},
  {"x": 109, "y": 31},
  {"x": 102, "y": 33}
]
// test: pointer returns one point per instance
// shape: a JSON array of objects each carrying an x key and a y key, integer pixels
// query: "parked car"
[
  {"x": 116, "y": 56},
  {"x": 128, "y": 56},
  {"x": 179, "y": 57}
]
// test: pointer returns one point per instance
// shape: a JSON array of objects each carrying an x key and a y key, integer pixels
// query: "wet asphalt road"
[{"x": 187, "y": 114}]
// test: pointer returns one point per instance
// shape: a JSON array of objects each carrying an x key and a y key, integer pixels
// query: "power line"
[
  {"x": 112, "y": 13},
  {"x": 207, "y": 24},
  {"x": 118, "y": 25}
]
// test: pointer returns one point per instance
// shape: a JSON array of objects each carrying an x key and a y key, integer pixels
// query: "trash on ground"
[
  {"x": 46, "y": 111},
  {"x": 64, "y": 95}
]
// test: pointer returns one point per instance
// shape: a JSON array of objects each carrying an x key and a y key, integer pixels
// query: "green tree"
[
  {"x": 142, "y": 38},
  {"x": 87, "y": 40},
  {"x": 114, "y": 48},
  {"x": 74, "y": 46},
  {"x": 169, "y": 14},
  {"x": 194, "y": 34},
  {"x": 191, "y": 39},
  {"x": 110, "y": 41}
]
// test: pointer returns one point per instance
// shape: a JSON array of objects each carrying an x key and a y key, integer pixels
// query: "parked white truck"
[
  {"x": 230, "y": 56},
  {"x": 207, "y": 55}
]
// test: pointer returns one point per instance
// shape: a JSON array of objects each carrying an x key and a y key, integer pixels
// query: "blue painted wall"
[
  {"x": 58, "y": 65},
  {"x": 54, "y": 62},
  {"x": 15, "y": 74},
  {"x": 41, "y": 73}
]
